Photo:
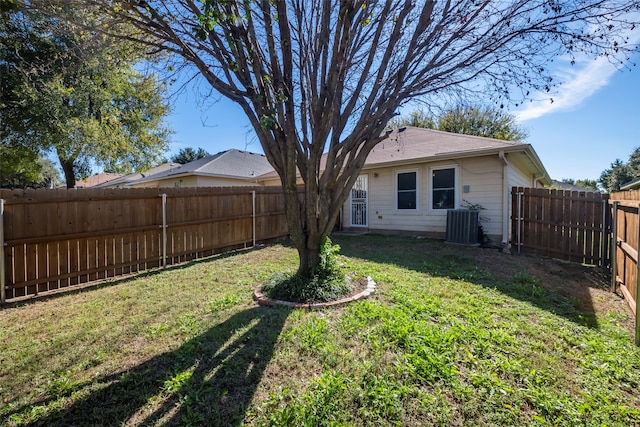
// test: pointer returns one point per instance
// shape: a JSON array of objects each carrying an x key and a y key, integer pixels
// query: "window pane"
[
  {"x": 407, "y": 181},
  {"x": 444, "y": 178},
  {"x": 406, "y": 200},
  {"x": 443, "y": 199}
]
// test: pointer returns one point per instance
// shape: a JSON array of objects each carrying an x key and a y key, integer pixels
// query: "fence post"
[
  {"x": 603, "y": 237},
  {"x": 3, "y": 285},
  {"x": 164, "y": 230},
  {"x": 253, "y": 197},
  {"x": 519, "y": 233},
  {"x": 614, "y": 246},
  {"x": 637, "y": 334}
]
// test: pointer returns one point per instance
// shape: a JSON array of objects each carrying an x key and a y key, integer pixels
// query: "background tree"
[
  {"x": 21, "y": 168},
  {"x": 479, "y": 121},
  {"x": 326, "y": 76},
  {"x": 621, "y": 173},
  {"x": 591, "y": 184},
  {"x": 187, "y": 155},
  {"x": 417, "y": 118},
  {"x": 79, "y": 94}
]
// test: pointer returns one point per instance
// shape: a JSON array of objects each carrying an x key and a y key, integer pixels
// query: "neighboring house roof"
[
  {"x": 412, "y": 144},
  {"x": 633, "y": 185},
  {"x": 133, "y": 177},
  {"x": 95, "y": 180},
  {"x": 571, "y": 187},
  {"x": 229, "y": 164}
]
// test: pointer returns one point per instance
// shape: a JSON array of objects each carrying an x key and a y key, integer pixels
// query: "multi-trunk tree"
[{"x": 320, "y": 79}]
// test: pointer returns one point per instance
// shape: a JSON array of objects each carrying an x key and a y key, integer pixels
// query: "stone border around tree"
[{"x": 262, "y": 299}]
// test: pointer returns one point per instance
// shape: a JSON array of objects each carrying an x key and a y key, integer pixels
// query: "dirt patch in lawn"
[{"x": 588, "y": 287}]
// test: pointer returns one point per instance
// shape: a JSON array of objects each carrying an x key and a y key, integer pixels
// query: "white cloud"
[
  {"x": 581, "y": 85},
  {"x": 579, "y": 82}
]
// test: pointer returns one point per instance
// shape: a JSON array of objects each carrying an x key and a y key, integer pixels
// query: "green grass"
[{"x": 453, "y": 336}]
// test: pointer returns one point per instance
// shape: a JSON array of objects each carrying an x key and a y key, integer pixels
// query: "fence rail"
[{"x": 54, "y": 239}]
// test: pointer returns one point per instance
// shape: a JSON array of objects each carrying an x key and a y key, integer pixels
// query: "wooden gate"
[
  {"x": 625, "y": 266},
  {"x": 568, "y": 225}
]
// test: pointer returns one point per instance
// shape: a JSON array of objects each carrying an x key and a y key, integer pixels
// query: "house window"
[
  {"x": 407, "y": 188},
  {"x": 443, "y": 188}
]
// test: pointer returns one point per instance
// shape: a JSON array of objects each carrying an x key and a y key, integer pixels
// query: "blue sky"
[{"x": 594, "y": 120}]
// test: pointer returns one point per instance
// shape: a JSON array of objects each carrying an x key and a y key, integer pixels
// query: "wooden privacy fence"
[
  {"x": 567, "y": 225},
  {"x": 53, "y": 239},
  {"x": 625, "y": 268}
]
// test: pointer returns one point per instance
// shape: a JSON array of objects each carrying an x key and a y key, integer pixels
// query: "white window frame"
[
  {"x": 456, "y": 187},
  {"x": 395, "y": 190}
]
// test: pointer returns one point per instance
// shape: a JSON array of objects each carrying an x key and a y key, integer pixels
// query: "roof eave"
[
  {"x": 447, "y": 156},
  {"x": 192, "y": 173}
]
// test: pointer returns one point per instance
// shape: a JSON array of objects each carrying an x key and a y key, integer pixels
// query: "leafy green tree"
[
  {"x": 324, "y": 77},
  {"x": 417, "y": 118},
  {"x": 22, "y": 168},
  {"x": 78, "y": 93},
  {"x": 591, "y": 184},
  {"x": 478, "y": 121},
  {"x": 187, "y": 155},
  {"x": 620, "y": 173}
]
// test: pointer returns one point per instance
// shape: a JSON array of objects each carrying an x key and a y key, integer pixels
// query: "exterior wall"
[
  {"x": 272, "y": 181},
  {"x": 518, "y": 175},
  {"x": 482, "y": 175}
]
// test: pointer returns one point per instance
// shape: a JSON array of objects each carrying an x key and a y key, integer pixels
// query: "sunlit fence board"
[{"x": 55, "y": 239}]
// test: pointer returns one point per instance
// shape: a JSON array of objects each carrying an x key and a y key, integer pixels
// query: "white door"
[{"x": 359, "y": 202}]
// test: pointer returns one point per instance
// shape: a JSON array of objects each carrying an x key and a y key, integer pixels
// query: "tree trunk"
[
  {"x": 309, "y": 260},
  {"x": 69, "y": 174},
  {"x": 309, "y": 222}
]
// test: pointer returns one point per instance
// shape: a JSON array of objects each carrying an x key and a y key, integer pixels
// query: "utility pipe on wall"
[{"x": 505, "y": 201}]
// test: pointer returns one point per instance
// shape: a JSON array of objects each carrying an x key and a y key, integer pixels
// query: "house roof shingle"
[
  {"x": 95, "y": 180},
  {"x": 133, "y": 177},
  {"x": 412, "y": 143},
  {"x": 230, "y": 163}
]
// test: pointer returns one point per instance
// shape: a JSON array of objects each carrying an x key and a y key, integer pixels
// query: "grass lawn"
[{"x": 453, "y": 336}]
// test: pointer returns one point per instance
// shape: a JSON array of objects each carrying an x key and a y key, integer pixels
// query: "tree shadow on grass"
[
  {"x": 110, "y": 281},
  {"x": 210, "y": 380},
  {"x": 546, "y": 287}
]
